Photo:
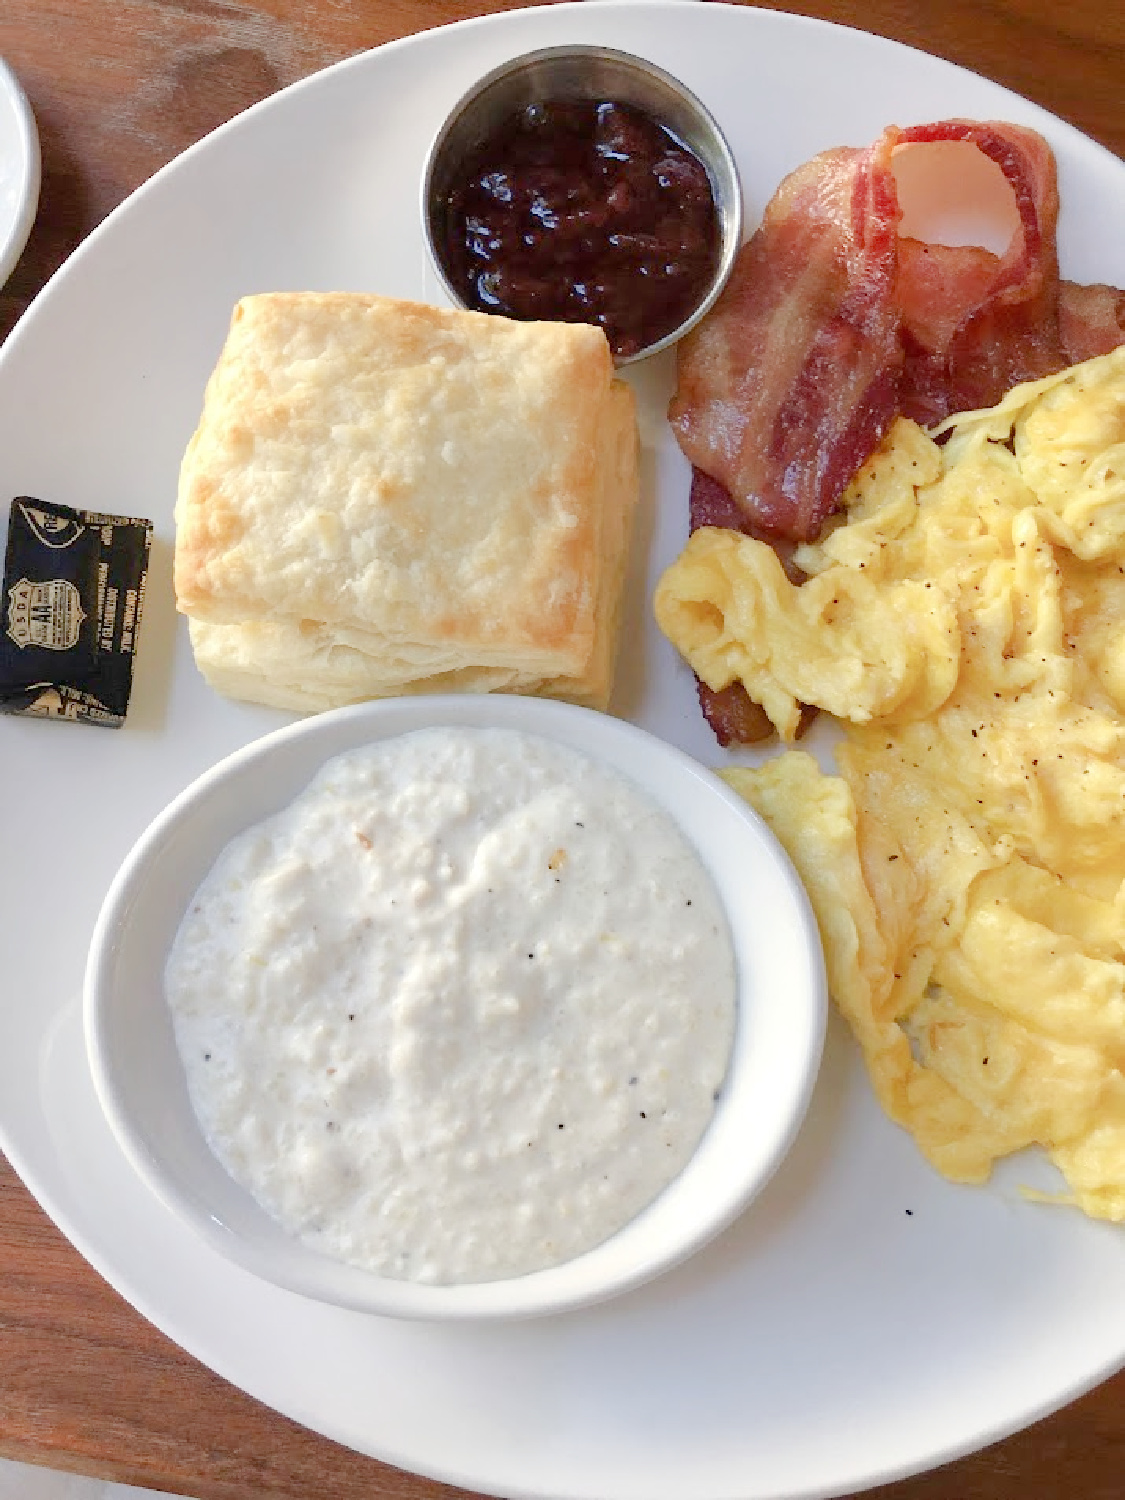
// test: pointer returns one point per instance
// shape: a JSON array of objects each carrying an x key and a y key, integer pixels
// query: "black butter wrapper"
[{"x": 74, "y": 588}]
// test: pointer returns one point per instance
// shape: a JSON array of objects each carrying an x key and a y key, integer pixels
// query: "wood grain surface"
[{"x": 119, "y": 87}]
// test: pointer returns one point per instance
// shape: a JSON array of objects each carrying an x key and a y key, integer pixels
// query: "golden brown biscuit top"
[{"x": 387, "y": 466}]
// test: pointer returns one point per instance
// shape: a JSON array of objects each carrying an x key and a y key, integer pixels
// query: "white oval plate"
[
  {"x": 19, "y": 170},
  {"x": 868, "y": 1319}
]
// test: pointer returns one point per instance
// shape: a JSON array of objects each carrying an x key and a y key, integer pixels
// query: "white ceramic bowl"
[
  {"x": 19, "y": 170},
  {"x": 778, "y": 1039}
]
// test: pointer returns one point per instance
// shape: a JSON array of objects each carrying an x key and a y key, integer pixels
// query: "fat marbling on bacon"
[
  {"x": 833, "y": 324},
  {"x": 792, "y": 379}
]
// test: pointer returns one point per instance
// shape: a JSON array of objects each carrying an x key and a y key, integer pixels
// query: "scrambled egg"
[{"x": 966, "y": 625}]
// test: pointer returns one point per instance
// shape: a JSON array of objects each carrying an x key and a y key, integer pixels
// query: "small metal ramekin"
[{"x": 582, "y": 72}]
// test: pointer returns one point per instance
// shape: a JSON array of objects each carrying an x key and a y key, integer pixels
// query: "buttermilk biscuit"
[{"x": 384, "y": 497}]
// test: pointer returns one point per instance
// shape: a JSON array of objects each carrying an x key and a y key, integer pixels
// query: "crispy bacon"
[
  {"x": 737, "y": 720},
  {"x": 734, "y": 717},
  {"x": 831, "y": 325},
  {"x": 710, "y": 504},
  {"x": 792, "y": 379},
  {"x": 1091, "y": 320},
  {"x": 975, "y": 324}
]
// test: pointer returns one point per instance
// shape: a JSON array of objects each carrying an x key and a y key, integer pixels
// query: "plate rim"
[{"x": 987, "y": 1433}]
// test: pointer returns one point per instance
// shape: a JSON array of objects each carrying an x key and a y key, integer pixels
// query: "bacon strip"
[
  {"x": 733, "y": 715},
  {"x": 1091, "y": 320},
  {"x": 792, "y": 379},
  {"x": 832, "y": 325},
  {"x": 710, "y": 504},
  {"x": 976, "y": 324}
]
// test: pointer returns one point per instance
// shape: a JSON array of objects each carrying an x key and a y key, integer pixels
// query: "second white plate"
[{"x": 19, "y": 170}]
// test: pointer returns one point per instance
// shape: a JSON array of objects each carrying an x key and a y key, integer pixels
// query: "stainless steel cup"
[{"x": 582, "y": 72}]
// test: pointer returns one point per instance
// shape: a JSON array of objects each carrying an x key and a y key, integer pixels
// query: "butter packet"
[{"x": 74, "y": 586}]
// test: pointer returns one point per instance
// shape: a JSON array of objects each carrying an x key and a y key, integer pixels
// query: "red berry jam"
[{"x": 583, "y": 212}]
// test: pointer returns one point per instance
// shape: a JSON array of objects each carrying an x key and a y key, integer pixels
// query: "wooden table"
[{"x": 119, "y": 87}]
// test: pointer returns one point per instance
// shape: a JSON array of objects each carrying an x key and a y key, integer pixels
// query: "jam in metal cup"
[{"x": 592, "y": 74}]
